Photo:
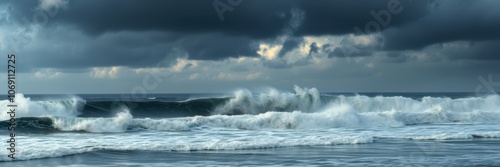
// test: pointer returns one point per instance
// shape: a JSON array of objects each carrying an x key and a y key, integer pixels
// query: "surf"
[
  {"x": 305, "y": 108},
  {"x": 67, "y": 107}
]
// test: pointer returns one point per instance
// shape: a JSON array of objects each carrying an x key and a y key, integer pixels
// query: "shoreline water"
[
  {"x": 470, "y": 152},
  {"x": 266, "y": 128}
]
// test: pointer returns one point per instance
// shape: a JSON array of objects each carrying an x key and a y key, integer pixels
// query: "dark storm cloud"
[
  {"x": 96, "y": 17},
  {"x": 199, "y": 31},
  {"x": 461, "y": 50},
  {"x": 194, "y": 28},
  {"x": 289, "y": 45},
  {"x": 348, "y": 47},
  {"x": 254, "y": 18},
  {"x": 484, "y": 50},
  {"x": 217, "y": 47},
  {"x": 249, "y": 21},
  {"x": 449, "y": 20},
  {"x": 314, "y": 48},
  {"x": 132, "y": 49},
  {"x": 337, "y": 17},
  {"x": 341, "y": 52}
]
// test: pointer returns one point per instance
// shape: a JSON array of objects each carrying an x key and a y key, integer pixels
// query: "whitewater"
[{"x": 87, "y": 126}]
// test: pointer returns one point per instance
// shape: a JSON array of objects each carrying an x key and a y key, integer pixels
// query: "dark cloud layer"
[
  {"x": 256, "y": 18},
  {"x": 337, "y": 17},
  {"x": 167, "y": 29},
  {"x": 448, "y": 21},
  {"x": 96, "y": 17}
]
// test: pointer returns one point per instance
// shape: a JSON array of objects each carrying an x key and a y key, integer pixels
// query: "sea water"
[{"x": 267, "y": 128}]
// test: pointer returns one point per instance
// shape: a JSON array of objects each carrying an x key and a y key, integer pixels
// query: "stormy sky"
[{"x": 167, "y": 46}]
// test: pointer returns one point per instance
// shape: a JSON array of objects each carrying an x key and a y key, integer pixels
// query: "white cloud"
[
  {"x": 253, "y": 76},
  {"x": 369, "y": 65},
  {"x": 244, "y": 60},
  {"x": 48, "y": 4},
  {"x": 269, "y": 52},
  {"x": 103, "y": 72},
  {"x": 364, "y": 40},
  {"x": 47, "y": 73},
  {"x": 239, "y": 77},
  {"x": 150, "y": 70},
  {"x": 194, "y": 76},
  {"x": 182, "y": 64}
]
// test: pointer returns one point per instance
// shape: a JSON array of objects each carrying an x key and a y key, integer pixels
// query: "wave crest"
[
  {"x": 68, "y": 107},
  {"x": 119, "y": 123},
  {"x": 245, "y": 102}
]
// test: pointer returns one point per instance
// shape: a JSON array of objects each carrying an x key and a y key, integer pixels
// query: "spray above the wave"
[
  {"x": 68, "y": 107},
  {"x": 245, "y": 102},
  {"x": 119, "y": 123},
  {"x": 304, "y": 109},
  {"x": 337, "y": 114}
]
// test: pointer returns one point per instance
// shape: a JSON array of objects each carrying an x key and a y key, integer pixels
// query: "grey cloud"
[
  {"x": 289, "y": 45},
  {"x": 484, "y": 50},
  {"x": 337, "y": 17},
  {"x": 142, "y": 33},
  {"x": 256, "y": 19},
  {"x": 447, "y": 21},
  {"x": 349, "y": 48},
  {"x": 314, "y": 48},
  {"x": 97, "y": 17},
  {"x": 346, "y": 52},
  {"x": 69, "y": 49},
  {"x": 217, "y": 46}
]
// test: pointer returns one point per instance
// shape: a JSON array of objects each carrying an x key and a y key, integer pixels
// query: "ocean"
[{"x": 266, "y": 128}]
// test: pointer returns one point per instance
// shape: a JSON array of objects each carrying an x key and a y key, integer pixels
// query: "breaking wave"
[
  {"x": 332, "y": 116},
  {"x": 68, "y": 107},
  {"x": 271, "y": 109}
]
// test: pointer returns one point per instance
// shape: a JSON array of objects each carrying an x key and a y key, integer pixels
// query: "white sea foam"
[
  {"x": 400, "y": 109},
  {"x": 63, "y": 144},
  {"x": 303, "y": 109},
  {"x": 67, "y": 107},
  {"x": 119, "y": 123},
  {"x": 446, "y": 135},
  {"x": 404, "y": 104},
  {"x": 340, "y": 111},
  {"x": 356, "y": 111},
  {"x": 245, "y": 102},
  {"x": 337, "y": 120},
  {"x": 332, "y": 117},
  {"x": 60, "y": 144}
]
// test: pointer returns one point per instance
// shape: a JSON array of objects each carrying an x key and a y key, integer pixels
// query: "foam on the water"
[
  {"x": 247, "y": 120},
  {"x": 68, "y": 107}
]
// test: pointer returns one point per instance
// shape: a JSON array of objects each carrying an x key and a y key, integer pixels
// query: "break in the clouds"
[{"x": 335, "y": 45}]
